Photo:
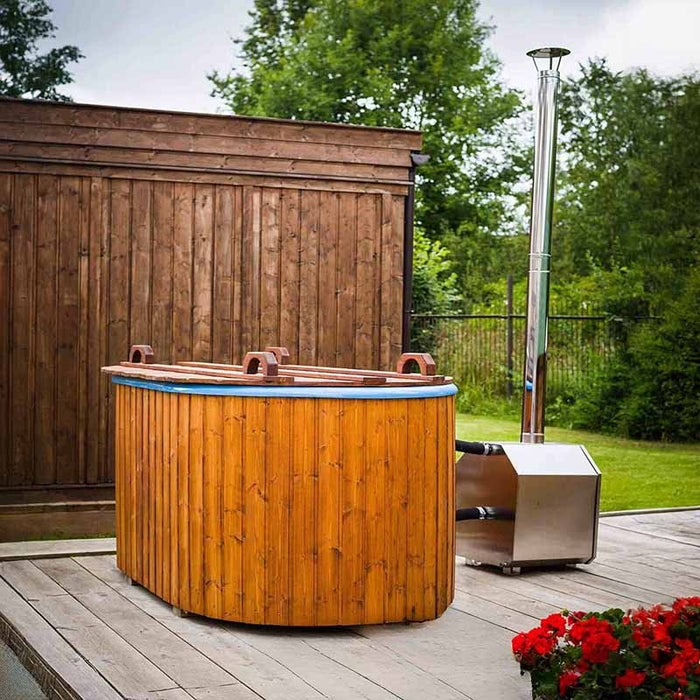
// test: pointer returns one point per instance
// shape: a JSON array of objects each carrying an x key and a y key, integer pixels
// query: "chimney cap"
[{"x": 549, "y": 52}]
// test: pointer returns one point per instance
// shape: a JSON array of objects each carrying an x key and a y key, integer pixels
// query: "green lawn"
[{"x": 636, "y": 474}]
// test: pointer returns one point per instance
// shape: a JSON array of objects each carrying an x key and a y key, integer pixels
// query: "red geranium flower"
[
  {"x": 630, "y": 679},
  {"x": 566, "y": 680},
  {"x": 555, "y": 623},
  {"x": 597, "y": 648}
]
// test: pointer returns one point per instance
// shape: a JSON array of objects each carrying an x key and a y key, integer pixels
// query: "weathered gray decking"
[{"x": 94, "y": 636}]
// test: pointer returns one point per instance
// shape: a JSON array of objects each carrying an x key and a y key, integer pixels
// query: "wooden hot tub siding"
[{"x": 287, "y": 511}]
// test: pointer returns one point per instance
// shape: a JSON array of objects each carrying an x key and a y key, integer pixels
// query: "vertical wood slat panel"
[
  {"x": 375, "y": 504},
  {"x": 397, "y": 509},
  {"x": 346, "y": 276},
  {"x": 101, "y": 322},
  {"x": 202, "y": 272},
  {"x": 119, "y": 422},
  {"x": 418, "y": 498},
  {"x": 309, "y": 291},
  {"x": 212, "y": 501},
  {"x": 6, "y": 283},
  {"x": 367, "y": 275},
  {"x": 82, "y": 332},
  {"x": 329, "y": 521},
  {"x": 233, "y": 506},
  {"x": 222, "y": 295},
  {"x": 237, "y": 262},
  {"x": 157, "y": 433},
  {"x": 327, "y": 278},
  {"x": 352, "y": 572},
  {"x": 303, "y": 519},
  {"x": 327, "y": 512},
  {"x": 198, "y": 271},
  {"x": 68, "y": 331},
  {"x": 196, "y": 504},
  {"x": 430, "y": 425},
  {"x": 23, "y": 275},
  {"x": 270, "y": 262},
  {"x": 289, "y": 272},
  {"x": 444, "y": 558},
  {"x": 174, "y": 467},
  {"x": 95, "y": 330},
  {"x": 250, "y": 268},
  {"x": 255, "y": 512},
  {"x": 183, "y": 215},
  {"x": 162, "y": 270},
  {"x": 164, "y": 495},
  {"x": 183, "y": 467},
  {"x": 140, "y": 262},
  {"x": 278, "y": 441},
  {"x": 46, "y": 304}
]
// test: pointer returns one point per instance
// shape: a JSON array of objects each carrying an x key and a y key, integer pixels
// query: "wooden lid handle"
[
  {"x": 254, "y": 360},
  {"x": 425, "y": 363},
  {"x": 281, "y": 353},
  {"x": 142, "y": 354}
]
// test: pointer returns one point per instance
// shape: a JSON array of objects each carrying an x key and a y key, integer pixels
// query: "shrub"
[
  {"x": 651, "y": 389},
  {"x": 644, "y": 654}
]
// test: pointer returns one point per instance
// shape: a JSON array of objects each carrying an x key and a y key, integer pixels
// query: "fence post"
[{"x": 509, "y": 335}]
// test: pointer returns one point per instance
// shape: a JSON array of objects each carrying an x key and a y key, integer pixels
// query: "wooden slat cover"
[
  {"x": 298, "y": 375},
  {"x": 202, "y": 235},
  {"x": 291, "y": 511}
]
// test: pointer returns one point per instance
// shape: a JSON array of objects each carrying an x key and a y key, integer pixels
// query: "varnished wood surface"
[
  {"x": 92, "y": 265},
  {"x": 90, "y": 136},
  {"x": 279, "y": 511},
  {"x": 94, "y": 631}
]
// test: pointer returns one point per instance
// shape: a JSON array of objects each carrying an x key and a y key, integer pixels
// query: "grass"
[{"x": 636, "y": 474}]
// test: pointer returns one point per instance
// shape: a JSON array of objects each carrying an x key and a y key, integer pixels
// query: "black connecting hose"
[
  {"x": 484, "y": 513},
  {"x": 478, "y": 448}
]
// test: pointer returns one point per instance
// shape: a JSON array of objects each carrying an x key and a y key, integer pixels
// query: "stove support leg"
[{"x": 511, "y": 570}]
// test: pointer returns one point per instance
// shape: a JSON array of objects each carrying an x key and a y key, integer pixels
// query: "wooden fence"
[{"x": 204, "y": 236}]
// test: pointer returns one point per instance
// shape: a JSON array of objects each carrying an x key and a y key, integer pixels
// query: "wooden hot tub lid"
[{"x": 269, "y": 368}]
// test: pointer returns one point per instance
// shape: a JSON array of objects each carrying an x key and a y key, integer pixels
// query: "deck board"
[{"x": 103, "y": 638}]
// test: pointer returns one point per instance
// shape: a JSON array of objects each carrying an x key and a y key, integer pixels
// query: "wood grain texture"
[
  {"x": 292, "y": 512},
  {"x": 108, "y": 238}
]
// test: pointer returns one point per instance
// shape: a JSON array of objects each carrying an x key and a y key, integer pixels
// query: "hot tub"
[{"x": 285, "y": 495}]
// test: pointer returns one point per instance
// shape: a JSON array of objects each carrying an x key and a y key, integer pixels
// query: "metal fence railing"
[{"x": 487, "y": 350}]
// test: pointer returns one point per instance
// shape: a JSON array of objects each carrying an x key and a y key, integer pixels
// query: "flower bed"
[{"x": 644, "y": 654}]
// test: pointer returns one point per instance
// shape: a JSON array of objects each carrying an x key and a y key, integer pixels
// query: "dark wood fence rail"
[{"x": 203, "y": 236}]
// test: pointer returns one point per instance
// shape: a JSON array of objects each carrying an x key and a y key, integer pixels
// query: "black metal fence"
[{"x": 487, "y": 350}]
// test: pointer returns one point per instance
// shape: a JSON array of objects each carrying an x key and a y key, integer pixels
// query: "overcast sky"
[{"x": 156, "y": 53}]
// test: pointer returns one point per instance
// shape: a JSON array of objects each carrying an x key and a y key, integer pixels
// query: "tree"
[
  {"x": 399, "y": 63},
  {"x": 24, "y": 72},
  {"x": 630, "y": 187},
  {"x": 628, "y": 219}
]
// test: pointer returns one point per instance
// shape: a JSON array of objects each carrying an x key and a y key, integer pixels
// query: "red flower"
[
  {"x": 528, "y": 644},
  {"x": 555, "y": 623},
  {"x": 630, "y": 679},
  {"x": 566, "y": 680},
  {"x": 597, "y": 648}
]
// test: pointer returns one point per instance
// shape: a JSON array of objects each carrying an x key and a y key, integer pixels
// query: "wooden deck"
[{"x": 87, "y": 633}]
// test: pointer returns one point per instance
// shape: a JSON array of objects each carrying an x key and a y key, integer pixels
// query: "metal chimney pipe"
[{"x": 532, "y": 429}]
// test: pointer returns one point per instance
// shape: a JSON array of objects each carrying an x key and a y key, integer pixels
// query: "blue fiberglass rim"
[{"x": 300, "y": 392}]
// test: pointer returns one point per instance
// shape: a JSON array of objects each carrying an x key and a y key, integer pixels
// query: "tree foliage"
[
  {"x": 631, "y": 182},
  {"x": 24, "y": 72},
  {"x": 628, "y": 220},
  {"x": 397, "y": 63}
]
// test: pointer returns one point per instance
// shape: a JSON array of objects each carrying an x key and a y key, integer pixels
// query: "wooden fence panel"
[{"x": 95, "y": 257}]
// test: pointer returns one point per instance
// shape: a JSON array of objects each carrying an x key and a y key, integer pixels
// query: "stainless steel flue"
[
  {"x": 530, "y": 503},
  {"x": 532, "y": 429}
]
